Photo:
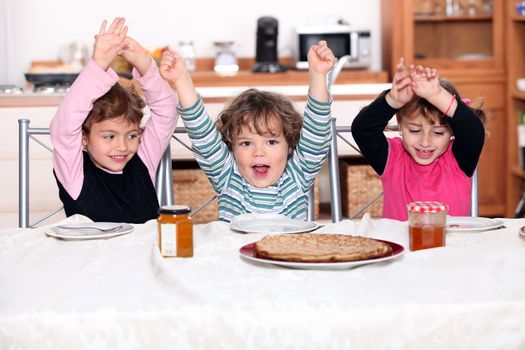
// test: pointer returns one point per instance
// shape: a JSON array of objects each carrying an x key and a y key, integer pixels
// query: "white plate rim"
[
  {"x": 489, "y": 223},
  {"x": 324, "y": 266},
  {"x": 301, "y": 226},
  {"x": 88, "y": 234}
]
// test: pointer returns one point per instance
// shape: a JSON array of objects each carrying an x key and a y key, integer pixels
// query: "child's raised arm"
[
  {"x": 173, "y": 69},
  {"x": 136, "y": 55},
  {"x": 109, "y": 43},
  {"x": 320, "y": 60}
]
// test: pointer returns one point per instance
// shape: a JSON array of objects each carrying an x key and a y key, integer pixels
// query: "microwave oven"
[{"x": 341, "y": 39}]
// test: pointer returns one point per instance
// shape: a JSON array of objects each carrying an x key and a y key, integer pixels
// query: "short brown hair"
[
  {"x": 119, "y": 101},
  {"x": 430, "y": 112},
  {"x": 255, "y": 109}
]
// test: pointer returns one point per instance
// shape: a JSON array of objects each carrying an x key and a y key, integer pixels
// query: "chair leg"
[
  {"x": 335, "y": 185},
  {"x": 520, "y": 209},
  {"x": 311, "y": 203},
  {"x": 164, "y": 183},
  {"x": 474, "y": 195},
  {"x": 23, "y": 173}
]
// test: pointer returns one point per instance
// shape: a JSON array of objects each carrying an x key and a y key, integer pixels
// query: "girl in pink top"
[
  {"x": 441, "y": 141},
  {"x": 104, "y": 162}
]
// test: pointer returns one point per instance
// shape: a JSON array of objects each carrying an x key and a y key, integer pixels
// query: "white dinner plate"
[
  {"x": 471, "y": 224},
  {"x": 90, "y": 230},
  {"x": 248, "y": 252},
  {"x": 270, "y": 223}
]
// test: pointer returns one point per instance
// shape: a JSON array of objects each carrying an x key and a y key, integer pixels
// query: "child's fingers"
[
  {"x": 400, "y": 67},
  {"x": 123, "y": 33},
  {"x": 113, "y": 25},
  {"x": 325, "y": 54},
  {"x": 401, "y": 73},
  {"x": 102, "y": 29},
  {"x": 321, "y": 44},
  {"x": 420, "y": 69},
  {"x": 403, "y": 83},
  {"x": 168, "y": 54}
]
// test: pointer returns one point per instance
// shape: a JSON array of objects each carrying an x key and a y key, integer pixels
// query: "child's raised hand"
[
  {"x": 109, "y": 43},
  {"x": 401, "y": 91},
  {"x": 425, "y": 81},
  {"x": 173, "y": 69},
  {"x": 320, "y": 58},
  {"x": 172, "y": 66},
  {"x": 135, "y": 54}
]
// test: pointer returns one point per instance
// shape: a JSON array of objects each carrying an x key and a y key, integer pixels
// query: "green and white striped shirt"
[{"x": 288, "y": 195}]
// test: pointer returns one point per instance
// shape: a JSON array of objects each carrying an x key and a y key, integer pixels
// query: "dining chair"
[{"x": 163, "y": 181}]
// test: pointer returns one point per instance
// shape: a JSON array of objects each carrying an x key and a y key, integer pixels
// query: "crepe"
[{"x": 311, "y": 247}]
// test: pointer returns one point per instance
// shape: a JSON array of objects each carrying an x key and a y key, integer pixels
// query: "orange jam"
[
  {"x": 423, "y": 237},
  {"x": 426, "y": 224},
  {"x": 175, "y": 230}
]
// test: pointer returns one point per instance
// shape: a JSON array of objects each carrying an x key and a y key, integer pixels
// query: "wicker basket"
[
  {"x": 192, "y": 187},
  {"x": 359, "y": 185}
]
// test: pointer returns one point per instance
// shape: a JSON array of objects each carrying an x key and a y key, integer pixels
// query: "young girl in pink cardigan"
[{"x": 104, "y": 162}]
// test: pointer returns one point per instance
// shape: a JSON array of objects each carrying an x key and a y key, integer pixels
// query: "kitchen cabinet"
[
  {"x": 515, "y": 103},
  {"x": 467, "y": 48}
]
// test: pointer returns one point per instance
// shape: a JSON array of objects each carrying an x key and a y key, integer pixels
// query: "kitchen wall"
[{"x": 36, "y": 30}]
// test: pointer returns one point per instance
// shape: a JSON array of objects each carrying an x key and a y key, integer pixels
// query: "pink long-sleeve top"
[{"x": 92, "y": 83}]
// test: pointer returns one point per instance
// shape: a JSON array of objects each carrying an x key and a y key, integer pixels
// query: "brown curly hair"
[
  {"x": 430, "y": 112},
  {"x": 255, "y": 109},
  {"x": 119, "y": 101}
]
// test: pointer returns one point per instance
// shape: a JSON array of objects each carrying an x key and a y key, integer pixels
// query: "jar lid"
[
  {"x": 427, "y": 207},
  {"x": 174, "y": 209}
]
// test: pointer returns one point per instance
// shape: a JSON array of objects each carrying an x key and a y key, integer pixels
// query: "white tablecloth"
[{"x": 119, "y": 293}]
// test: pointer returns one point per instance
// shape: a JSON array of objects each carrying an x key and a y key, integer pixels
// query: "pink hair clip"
[{"x": 466, "y": 101}]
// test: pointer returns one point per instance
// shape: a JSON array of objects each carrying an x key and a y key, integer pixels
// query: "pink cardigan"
[{"x": 92, "y": 83}]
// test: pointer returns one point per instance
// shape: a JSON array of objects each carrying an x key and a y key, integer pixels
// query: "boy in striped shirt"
[{"x": 261, "y": 156}]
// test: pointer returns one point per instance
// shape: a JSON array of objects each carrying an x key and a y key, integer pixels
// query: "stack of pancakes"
[{"x": 317, "y": 248}]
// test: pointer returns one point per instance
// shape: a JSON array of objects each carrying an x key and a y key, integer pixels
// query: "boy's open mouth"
[{"x": 261, "y": 171}]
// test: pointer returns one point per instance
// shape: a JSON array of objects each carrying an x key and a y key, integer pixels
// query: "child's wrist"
[
  {"x": 183, "y": 80},
  {"x": 435, "y": 95},
  {"x": 392, "y": 102},
  {"x": 443, "y": 100}
]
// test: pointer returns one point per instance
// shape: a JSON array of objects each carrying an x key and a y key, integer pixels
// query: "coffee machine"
[{"x": 266, "y": 49}]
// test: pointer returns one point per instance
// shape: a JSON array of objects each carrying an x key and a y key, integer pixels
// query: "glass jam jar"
[
  {"x": 426, "y": 224},
  {"x": 175, "y": 230}
]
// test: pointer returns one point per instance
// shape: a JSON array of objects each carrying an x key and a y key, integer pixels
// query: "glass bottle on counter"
[
  {"x": 187, "y": 51},
  {"x": 175, "y": 231}
]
